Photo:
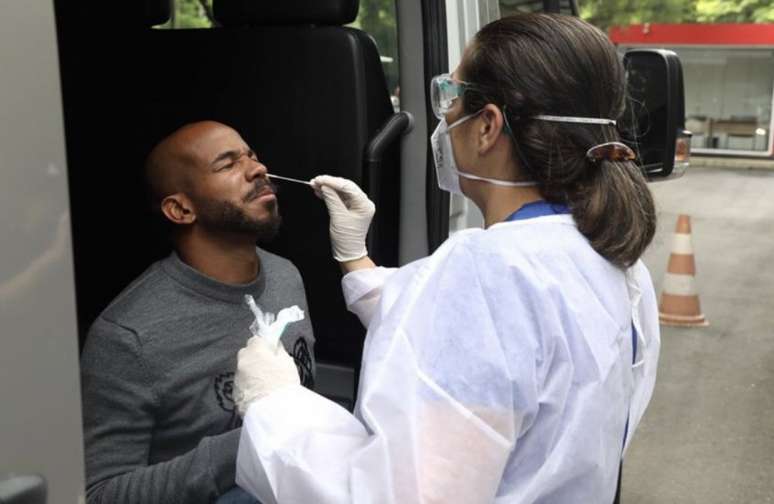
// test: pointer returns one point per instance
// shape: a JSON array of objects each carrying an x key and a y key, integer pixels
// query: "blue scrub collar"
[{"x": 538, "y": 209}]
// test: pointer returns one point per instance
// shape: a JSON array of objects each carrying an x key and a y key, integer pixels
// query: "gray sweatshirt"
[{"x": 160, "y": 424}]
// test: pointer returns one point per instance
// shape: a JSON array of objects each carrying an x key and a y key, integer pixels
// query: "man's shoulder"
[{"x": 140, "y": 299}]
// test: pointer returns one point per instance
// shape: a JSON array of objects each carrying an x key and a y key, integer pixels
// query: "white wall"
[{"x": 730, "y": 84}]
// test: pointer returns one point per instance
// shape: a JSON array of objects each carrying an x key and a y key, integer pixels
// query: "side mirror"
[{"x": 654, "y": 121}]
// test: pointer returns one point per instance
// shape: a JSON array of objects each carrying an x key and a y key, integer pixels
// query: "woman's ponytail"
[{"x": 614, "y": 210}]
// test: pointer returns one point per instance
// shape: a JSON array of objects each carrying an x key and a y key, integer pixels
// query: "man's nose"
[{"x": 255, "y": 170}]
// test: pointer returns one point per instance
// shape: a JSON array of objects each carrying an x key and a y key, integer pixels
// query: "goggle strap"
[{"x": 576, "y": 120}]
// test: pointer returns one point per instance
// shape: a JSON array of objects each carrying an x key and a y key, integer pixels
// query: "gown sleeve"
[
  {"x": 436, "y": 418},
  {"x": 363, "y": 291}
]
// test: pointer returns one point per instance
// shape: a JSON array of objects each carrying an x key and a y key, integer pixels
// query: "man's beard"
[{"x": 225, "y": 216}]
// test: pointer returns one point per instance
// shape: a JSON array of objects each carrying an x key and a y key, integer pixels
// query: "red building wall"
[{"x": 694, "y": 34}]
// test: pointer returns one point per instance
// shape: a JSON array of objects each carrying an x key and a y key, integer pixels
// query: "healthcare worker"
[{"x": 514, "y": 363}]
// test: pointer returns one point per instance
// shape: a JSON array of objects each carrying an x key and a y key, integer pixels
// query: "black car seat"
[{"x": 306, "y": 92}]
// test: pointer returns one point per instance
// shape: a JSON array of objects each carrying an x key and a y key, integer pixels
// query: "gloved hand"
[
  {"x": 263, "y": 365},
  {"x": 262, "y": 368},
  {"x": 351, "y": 212}
]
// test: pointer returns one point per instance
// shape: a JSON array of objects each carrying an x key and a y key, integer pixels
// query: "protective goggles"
[{"x": 443, "y": 91}]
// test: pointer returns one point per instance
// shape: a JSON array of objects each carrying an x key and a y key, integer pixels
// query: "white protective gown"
[{"x": 499, "y": 369}]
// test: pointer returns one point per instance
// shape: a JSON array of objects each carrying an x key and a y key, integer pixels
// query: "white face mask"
[{"x": 446, "y": 167}]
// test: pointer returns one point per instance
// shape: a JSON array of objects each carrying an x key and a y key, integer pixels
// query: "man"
[{"x": 160, "y": 423}]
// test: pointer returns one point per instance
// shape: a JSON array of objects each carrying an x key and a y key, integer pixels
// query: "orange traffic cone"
[{"x": 679, "y": 304}]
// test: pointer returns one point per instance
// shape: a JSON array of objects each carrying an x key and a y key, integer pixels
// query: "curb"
[{"x": 737, "y": 163}]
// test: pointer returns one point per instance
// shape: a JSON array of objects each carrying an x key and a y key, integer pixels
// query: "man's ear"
[
  {"x": 178, "y": 208},
  {"x": 489, "y": 128}
]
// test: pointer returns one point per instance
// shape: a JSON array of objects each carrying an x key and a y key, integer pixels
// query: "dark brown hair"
[{"x": 534, "y": 64}]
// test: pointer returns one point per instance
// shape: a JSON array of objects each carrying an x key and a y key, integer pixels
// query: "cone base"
[{"x": 669, "y": 319}]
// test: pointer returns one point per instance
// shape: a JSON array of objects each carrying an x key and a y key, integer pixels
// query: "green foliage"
[
  {"x": 607, "y": 13},
  {"x": 190, "y": 14},
  {"x": 736, "y": 11}
]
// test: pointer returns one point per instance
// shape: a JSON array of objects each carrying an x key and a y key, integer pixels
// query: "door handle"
[{"x": 391, "y": 131}]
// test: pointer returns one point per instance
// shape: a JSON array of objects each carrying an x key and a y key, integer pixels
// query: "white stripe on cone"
[
  {"x": 682, "y": 244},
  {"x": 679, "y": 285}
]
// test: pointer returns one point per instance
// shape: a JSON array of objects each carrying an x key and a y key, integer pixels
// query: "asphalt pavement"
[{"x": 708, "y": 434}]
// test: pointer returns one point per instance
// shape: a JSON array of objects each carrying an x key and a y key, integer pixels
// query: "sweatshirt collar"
[{"x": 202, "y": 284}]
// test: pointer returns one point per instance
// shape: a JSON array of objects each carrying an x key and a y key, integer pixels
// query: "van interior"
[{"x": 306, "y": 92}]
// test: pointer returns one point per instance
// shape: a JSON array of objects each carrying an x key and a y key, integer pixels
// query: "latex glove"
[
  {"x": 262, "y": 368},
  {"x": 351, "y": 212}
]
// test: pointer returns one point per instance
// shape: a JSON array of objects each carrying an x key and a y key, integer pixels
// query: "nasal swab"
[{"x": 297, "y": 181}]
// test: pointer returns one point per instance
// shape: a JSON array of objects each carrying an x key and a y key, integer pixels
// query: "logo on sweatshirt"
[
  {"x": 303, "y": 360},
  {"x": 224, "y": 392}
]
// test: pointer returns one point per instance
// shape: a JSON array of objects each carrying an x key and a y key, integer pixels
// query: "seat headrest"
[
  {"x": 133, "y": 14},
  {"x": 157, "y": 12},
  {"x": 154, "y": 12},
  {"x": 285, "y": 12}
]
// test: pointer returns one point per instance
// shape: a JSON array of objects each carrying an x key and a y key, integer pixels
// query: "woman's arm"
[
  {"x": 357, "y": 264},
  {"x": 435, "y": 419},
  {"x": 362, "y": 289}
]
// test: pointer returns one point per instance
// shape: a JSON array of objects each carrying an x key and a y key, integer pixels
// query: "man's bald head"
[{"x": 170, "y": 164}]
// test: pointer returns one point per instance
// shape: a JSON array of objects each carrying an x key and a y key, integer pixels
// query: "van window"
[
  {"x": 190, "y": 14},
  {"x": 378, "y": 19}
]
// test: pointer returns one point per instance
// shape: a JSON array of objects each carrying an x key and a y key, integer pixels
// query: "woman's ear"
[
  {"x": 490, "y": 127},
  {"x": 178, "y": 209}
]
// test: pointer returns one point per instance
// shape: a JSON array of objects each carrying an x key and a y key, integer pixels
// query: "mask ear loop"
[
  {"x": 509, "y": 130},
  {"x": 507, "y": 123}
]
